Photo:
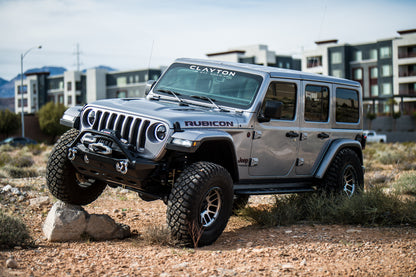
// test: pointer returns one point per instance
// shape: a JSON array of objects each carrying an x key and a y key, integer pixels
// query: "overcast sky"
[{"x": 121, "y": 33}]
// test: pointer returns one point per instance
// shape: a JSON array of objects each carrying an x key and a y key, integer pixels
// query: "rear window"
[{"x": 347, "y": 104}]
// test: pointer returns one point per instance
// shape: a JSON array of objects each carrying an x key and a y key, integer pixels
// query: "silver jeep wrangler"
[{"x": 208, "y": 135}]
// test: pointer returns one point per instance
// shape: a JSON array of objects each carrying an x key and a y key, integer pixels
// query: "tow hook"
[
  {"x": 122, "y": 166},
  {"x": 71, "y": 154}
]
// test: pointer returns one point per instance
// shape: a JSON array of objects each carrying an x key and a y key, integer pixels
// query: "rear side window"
[
  {"x": 285, "y": 93},
  {"x": 347, "y": 110},
  {"x": 316, "y": 103}
]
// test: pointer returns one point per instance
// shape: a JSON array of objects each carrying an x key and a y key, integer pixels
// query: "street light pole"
[{"x": 21, "y": 86}]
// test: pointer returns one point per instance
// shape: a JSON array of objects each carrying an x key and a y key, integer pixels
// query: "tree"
[
  {"x": 49, "y": 116},
  {"x": 9, "y": 122},
  {"x": 371, "y": 116}
]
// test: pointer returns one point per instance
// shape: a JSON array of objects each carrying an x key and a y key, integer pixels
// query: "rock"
[
  {"x": 11, "y": 263},
  {"x": 39, "y": 201},
  {"x": 7, "y": 188},
  {"x": 103, "y": 227},
  {"x": 65, "y": 222}
]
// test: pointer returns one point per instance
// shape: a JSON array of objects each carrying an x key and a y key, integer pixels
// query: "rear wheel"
[
  {"x": 200, "y": 204},
  {"x": 64, "y": 182},
  {"x": 345, "y": 174}
]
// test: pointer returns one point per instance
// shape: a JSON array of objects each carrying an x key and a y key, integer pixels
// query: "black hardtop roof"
[{"x": 271, "y": 71}]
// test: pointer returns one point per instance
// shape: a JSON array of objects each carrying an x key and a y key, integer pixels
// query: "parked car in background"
[
  {"x": 372, "y": 136},
  {"x": 18, "y": 141}
]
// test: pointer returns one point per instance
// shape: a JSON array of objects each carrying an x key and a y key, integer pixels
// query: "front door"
[{"x": 275, "y": 143}]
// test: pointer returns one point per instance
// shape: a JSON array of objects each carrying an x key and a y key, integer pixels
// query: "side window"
[
  {"x": 347, "y": 106},
  {"x": 316, "y": 103},
  {"x": 285, "y": 93}
]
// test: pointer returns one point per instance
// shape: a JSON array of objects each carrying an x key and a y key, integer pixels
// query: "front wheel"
[
  {"x": 345, "y": 174},
  {"x": 63, "y": 181},
  {"x": 200, "y": 204}
]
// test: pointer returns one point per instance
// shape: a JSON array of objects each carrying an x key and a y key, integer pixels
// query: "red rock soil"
[{"x": 242, "y": 250}]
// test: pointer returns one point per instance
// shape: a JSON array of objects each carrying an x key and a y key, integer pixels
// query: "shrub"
[
  {"x": 35, "y": 149},
  {"x": 49, "y": 116},
  {"x": 6, "y": 148},
  {"x": 18, "y": 172},
  {"x": 370, "y": 208},
  {"x": 9, "y": 122},
  {"x": 13, "y": 232},
  {"x": 4, "y": 158},
  {"x": 155, "y": 234},
  {"x": 22, "y": 161},
  {"x": 406, "y": 184}
]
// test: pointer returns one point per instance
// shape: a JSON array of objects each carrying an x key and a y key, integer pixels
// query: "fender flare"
[{"x": 333, "y": 150}]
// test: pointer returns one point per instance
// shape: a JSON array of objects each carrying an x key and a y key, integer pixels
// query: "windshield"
[{"x": 224, "y": 87}]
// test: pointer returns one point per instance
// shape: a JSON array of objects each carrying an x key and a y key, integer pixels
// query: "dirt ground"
[{"x": 242, "y": 250}]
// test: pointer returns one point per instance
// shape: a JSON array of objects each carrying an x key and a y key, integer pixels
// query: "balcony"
[{"x": 407, "y": 52}]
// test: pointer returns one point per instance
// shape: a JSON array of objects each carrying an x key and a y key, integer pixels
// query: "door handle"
[
  {"x": 323, "y": 135},
  {"x": 292, "y": 134}
]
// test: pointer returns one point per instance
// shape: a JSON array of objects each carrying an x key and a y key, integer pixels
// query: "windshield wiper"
[
  {"x": 175, "y": 94},
  {"x": 209, "y": 100}
]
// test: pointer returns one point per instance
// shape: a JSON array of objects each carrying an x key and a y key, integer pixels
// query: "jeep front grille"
[{"x": 131, "y": 128}]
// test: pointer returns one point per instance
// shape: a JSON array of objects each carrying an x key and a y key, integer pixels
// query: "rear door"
[{"x": 315, "y": 126}]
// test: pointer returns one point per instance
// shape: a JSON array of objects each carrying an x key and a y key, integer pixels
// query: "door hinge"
[
  {"x": 254, "y": 162},
  {"x": 257, "y": 134}
]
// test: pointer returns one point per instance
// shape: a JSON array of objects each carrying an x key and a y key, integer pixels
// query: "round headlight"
[
  {"x": 91, "y": 117},
  {"x": 160, "y": 132}
]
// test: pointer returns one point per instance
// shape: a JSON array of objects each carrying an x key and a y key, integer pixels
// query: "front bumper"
[{"x": 102, "y": 156}]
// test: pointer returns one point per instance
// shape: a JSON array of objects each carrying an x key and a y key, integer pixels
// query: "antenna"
[
  {"x": 78, "y": 53},
  {"x": 151, "y": 52}
]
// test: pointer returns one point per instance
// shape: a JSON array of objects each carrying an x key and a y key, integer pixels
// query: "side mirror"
[
  {"x": 149, "y": 85},
  {"x": 271, "y": 109}
]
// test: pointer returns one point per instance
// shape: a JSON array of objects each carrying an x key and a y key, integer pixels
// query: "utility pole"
[{"x": 78, "y": 53}]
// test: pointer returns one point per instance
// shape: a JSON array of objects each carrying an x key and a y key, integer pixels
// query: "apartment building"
[
  {"x": 256, "y": 54},
  {"x": 386, "y": 69},
  {"x": 78, "y": 88}
]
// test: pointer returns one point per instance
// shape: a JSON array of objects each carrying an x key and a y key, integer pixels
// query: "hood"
[{"x": 191, "y": 116}]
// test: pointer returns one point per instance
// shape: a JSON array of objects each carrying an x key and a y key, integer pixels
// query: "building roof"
[
  {"x": 326, "y": 41},
  {"x": 226, "y": 53},
  {"x": 409, "y": 31}
]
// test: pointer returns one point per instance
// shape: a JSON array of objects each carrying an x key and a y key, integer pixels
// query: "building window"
[
  {"x": 19, "y": 102},
  {"x": 69, "y": 99},
  {"x": 136, "y": 78},
  {"x": 131, "y": 80},
  {"x": 386, "y": 70},
  {"x": 374, "y": 90},
  {"x": 19, "y": 89},
  {"x": 337, "y": 73},
  {"x": 358, "y": 56},
  {"x": 316, "y": 103},
  {"x": 313, "y": 61},
  {"x": 357, "y": 73},
  {"x": 285, "y": 93},
  {"x": 386, "y": 89},
  {"x": 385, "y": 52},
  {"x": 121, "y": 81},
  {"x": 121, "y": 94},
  {"x": 280, "y": 65},
  {"x": 373, "y": 54},
  {"x": 287, "y": 65},
  {"x": 69, "y": 86},
  {"x": 374, "y": 73},
  {"x": 78, "y": 86},
  {"x": 34, "y": 88},
  {"x": 60, "y": 98},
  {"x": 347, "y": 106},
  {"x": 336, "y": 58}
]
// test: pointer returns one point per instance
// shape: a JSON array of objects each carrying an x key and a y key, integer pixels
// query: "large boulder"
[{"x": 67, "y": 222}]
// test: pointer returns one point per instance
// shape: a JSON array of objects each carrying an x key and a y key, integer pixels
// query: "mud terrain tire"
[
  {"x": 200, "y": 204},
  {"x": 63, "y": 181},
  {"x": 345, "y": 174}
]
